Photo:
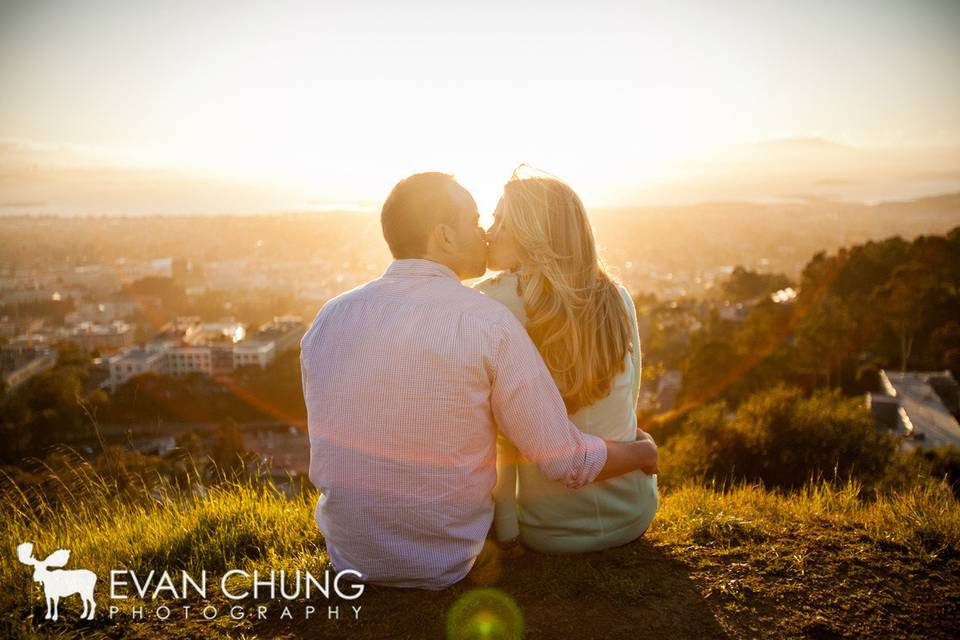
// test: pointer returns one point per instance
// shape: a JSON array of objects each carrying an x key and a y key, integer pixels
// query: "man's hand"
[
  {"x": 649, "y": 456},
  {"x": 624, "y": 457}
]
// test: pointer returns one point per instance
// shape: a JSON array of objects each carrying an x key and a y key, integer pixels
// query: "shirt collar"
[{"x": 417, "y": 267}]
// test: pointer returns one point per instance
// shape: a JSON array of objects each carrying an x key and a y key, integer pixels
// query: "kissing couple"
[{"x": 441, "y": 414}]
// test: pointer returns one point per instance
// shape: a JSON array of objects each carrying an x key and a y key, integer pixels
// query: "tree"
[
  {"x": 708, "y": 372},
  {"x": 944, "y": 340},
  {"x": 903, "y": 301},
  {"x": 743, "y": 285},
  {"x": 825, "y": 337},
  {"x": 228, "y": 452}
]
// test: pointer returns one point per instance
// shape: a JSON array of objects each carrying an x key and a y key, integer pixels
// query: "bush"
[
  {"x": 941, "y": 463},
  {"x": 782, "y": 439}
]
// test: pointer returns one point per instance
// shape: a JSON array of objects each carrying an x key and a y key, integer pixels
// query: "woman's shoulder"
[
  {"x": 503, "y": 283},
  {"x": 624, "y": 293},
  {"x": 502, "y": 287}
]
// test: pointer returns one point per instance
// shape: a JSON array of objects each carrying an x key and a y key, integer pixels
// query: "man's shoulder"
[
  {"x": 483, "y": 307},
  {"x": 331, "y": 305},
  {"x": 449, "y": 296},
  {"x": 502, "y": 287}
]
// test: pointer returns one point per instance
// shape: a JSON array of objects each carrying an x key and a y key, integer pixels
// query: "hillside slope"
[{"x": 824, "y": 563}]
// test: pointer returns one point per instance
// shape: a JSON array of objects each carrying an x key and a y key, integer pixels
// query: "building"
[
  {"x": 132, "y": 363},
  {"x": 189, "y": 359},
  {"x": 181, "y": 359},
  {"x": 103, "y": 337},
  {"x": 920, "y": 406},
  {"x": 253, "y": 352},
  {"x": 111, "y": 309},
  {"x": 223, "y": 331},
  {"x": 221, "y": 358},
  {"x": 284, "y": 331},
  {"x": 20, "y": 363}
]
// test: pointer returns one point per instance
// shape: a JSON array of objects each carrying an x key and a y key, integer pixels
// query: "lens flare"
[{"x": 485, "y": 613}]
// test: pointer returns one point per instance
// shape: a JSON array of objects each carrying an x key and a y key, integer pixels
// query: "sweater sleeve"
[{"x": 634, "y": 342}]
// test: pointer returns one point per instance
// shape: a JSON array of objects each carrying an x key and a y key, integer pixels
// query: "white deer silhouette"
[{"x": 57, "y": 584}]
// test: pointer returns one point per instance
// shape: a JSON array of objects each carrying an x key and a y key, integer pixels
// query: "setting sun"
[{"x": 318, "y": 105}]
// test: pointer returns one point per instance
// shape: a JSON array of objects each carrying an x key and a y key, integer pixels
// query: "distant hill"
[
  {"x": 807, "y": 168},
  {"x": 63, "y": 180}
]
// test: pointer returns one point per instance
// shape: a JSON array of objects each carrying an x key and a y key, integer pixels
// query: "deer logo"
[{"x": 60, "y": 583}]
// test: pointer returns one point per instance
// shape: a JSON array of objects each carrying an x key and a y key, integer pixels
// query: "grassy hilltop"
[{"x": 824, "y": 562}]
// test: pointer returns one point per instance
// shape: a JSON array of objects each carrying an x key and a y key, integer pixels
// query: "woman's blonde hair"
[{"x": 575, "y": 314}]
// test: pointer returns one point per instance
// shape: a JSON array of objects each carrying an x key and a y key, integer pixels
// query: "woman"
[{"x": 585, "y": 327}]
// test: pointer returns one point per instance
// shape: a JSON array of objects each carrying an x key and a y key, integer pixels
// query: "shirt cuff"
[{"x": 594, "y": 458}]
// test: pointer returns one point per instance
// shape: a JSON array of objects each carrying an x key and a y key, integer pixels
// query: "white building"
[
  {"x": 189, "y": 359},
  {"x": 228, "y": 331},
  {"x": 913, "y": 406},
  {"x": 116, "y": 335},
  {"x": 284, "y": 331},
  {"x": 253, "y": 352},
  {"x": 132, "y": 363},
  {"x": 177, "y": 359}
]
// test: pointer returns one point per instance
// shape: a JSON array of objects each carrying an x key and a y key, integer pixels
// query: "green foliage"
[
  {"x": 889, "y": 304},
  {"x": 170, "y": 292},
  {"x": 782, "y": 439},
  {"x": 251, "y": 394},
  {"x": 70, "y": 354},
  {"x": 899, "y": 292},
  {"x": 228, "y": 453},
  {"x": 940, "y": 463},
  {"x": 51, "y": 310},
  {"x": 53, "y": 406},
  {"x": 698, "y": 514},
  {"x": 703, "y": 372},
  {"x": 743, "y": 285},
  {"x": 151, "y": 525}
]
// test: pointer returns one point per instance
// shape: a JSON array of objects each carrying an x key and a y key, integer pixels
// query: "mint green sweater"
[{"x": 549, "y": 517}]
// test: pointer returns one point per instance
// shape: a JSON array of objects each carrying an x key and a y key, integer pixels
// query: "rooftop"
[
  {"x": 922, "y": 411},
  {"x": 138, "y": 355}
]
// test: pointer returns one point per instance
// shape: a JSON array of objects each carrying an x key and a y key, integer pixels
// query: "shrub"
[{"x": 782, "y": 439}]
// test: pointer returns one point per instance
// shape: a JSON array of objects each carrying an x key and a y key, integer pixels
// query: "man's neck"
[{"x": 445, "y": 261}]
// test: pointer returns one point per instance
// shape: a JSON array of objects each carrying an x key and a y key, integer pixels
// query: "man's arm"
[
  {"x": 531, "y": 414},
  {"x": 624, "y": 457}
]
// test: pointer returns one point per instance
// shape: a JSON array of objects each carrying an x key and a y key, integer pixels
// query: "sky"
[{"x": 333, "y": 102}]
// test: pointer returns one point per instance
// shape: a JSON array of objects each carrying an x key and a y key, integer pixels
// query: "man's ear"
[{"x": 443, "y": 234}]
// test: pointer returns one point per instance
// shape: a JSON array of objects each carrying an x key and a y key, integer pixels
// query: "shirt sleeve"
[
  {"x": 530, "y": 412},
  {"x": 506, "y": 524}
]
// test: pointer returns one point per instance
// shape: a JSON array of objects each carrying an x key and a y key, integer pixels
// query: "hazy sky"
[{"x": 343, "y": 98}]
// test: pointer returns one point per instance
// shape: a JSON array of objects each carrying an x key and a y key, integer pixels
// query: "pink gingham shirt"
[{"x": 406, "y": 380}]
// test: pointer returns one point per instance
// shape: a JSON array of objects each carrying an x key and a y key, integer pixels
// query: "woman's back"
[{"x": 550, "y": 517}]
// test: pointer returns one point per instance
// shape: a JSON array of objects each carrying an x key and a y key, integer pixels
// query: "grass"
[{"x": 739, "y": 563}]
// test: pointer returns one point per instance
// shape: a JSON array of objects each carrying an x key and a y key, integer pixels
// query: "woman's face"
[{"x": 502, "y": 254}]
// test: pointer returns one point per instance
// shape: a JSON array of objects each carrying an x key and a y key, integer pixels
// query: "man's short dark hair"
[{"x": 415, "y": 206}]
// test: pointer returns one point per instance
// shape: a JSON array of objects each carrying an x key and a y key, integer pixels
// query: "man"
[{"x": 406, "y": 380}]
